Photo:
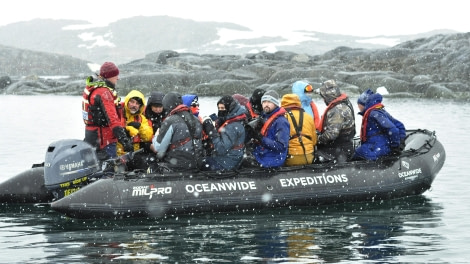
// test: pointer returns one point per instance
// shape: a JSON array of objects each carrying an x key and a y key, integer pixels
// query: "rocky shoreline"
[{"x": 435, "y": 67}]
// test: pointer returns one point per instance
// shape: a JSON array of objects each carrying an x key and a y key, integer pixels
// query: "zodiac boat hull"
[{"x": 147, "y": 195}]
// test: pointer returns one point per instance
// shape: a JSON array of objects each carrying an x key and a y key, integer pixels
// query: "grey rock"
[{"x": 434, "y": 67}]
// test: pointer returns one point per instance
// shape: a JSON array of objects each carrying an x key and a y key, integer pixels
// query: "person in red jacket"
[{"x": 103, "y": 125}]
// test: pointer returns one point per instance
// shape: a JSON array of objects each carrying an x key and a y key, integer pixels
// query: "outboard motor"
[{"x": 68, "y": 166}]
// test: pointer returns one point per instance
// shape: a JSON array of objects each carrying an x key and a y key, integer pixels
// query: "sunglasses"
[{"x": 195, "y": 105}]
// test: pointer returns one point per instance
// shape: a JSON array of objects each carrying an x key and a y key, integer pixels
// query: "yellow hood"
[
  {"x": 290, "y": 100},
  {"x": 131, "y": 94}
]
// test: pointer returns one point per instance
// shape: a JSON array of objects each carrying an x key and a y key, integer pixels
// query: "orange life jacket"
[
  {"x": 268, "y": 123},
  {"x": 250, "y": 109},
  {"x": 365, "y": 118},
  {"x": 316, "y": 117},
  {"x": 333, "y": 103}
]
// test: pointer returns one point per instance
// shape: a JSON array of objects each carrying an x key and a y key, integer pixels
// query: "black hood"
[
  {"x": 155, "y": 98},
  {"x": 171, "y": 101}
]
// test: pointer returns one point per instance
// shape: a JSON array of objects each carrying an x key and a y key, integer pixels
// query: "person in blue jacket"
[
  {"x": 270, "y": 134},
  {"x": 227, "y": 137},
  {"x": 381, "y": 134}
]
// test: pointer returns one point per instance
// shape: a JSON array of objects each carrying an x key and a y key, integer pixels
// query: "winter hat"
[
  {"x": 228, "y": 102},
  {"x": 170, "y": 101},
  {"x": 271, "y": 96},
  {"x": 190, "y": 99},
  {"x": 329, "y": 89},
  {"x": 109, "y": 70},
  {"x": 155, "y": 99},
  {"x": 362, "y": 100},
  {"x": 243, "y": 100}
]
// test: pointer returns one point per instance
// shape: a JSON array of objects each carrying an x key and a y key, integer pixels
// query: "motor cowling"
[{"x": 68, "y": 166}]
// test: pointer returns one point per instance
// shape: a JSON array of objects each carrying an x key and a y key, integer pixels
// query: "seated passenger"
[
  {"x": 178, "y": 142},
  {"x": 338, "y": 125},
  {"x": 381, "y": 134},
  {"x": 303, "y": 136},
  {"x": 138, "y": 129},
  {"x": 253, "y": 110},
  {"x": 228, "y": 140},
  {"x": 270, "y": 134},
  {"x": 154, "y": 110},
  {"x": 302, "y": 89}
]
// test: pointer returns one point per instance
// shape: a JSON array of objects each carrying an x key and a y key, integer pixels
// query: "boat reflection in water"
[{"x": 386, "y": 230}]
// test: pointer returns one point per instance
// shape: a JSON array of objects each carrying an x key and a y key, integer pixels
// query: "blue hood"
[
  {"x": 372, "y": 99},
  {"x": 298, "y": 88},
  {"x": 188, "y": 99}
]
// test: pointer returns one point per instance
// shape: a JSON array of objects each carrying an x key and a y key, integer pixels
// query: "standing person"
[
  {"x": 338, "y": 127},
  {"x": 178, "y": 143},
  {"x": 138, "y": 128},
  {"x": 154, "y": 110},
  {"x": 303, "y": 89},
  {"x": 103, "y": 127},
  {"x": 381, "y": 134},
  {"x": 271, "y": 134},
  {"x": 303, "y": 135},
  {"x": 227, "y": 137}
]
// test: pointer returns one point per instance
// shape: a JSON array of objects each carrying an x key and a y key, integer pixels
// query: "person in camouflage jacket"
[{"x": 338, "y": 127}]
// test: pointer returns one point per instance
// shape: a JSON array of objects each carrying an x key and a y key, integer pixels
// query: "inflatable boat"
[{"x": 139, "y": 194}]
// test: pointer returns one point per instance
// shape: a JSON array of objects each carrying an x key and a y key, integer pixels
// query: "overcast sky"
[{"x": 350, "y": 17}]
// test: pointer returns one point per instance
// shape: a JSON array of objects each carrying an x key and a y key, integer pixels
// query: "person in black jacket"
[{"x": 154, "y": 110}]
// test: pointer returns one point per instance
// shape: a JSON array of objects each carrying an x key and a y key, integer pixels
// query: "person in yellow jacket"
[
  {"x": 137, "y": 127},
  {"x": 303, "y": 136}
]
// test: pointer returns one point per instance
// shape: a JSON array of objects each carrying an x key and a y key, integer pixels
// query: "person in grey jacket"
[
  {"x": 227, "y": 137},
  {"x": 179, "y": 139}
]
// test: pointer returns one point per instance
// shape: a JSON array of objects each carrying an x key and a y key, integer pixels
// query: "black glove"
[
  {"x": 256, "y": 124},
  {"x": 402, "y": 144},
  {"x": 120, "y": 134},
  {"x": 134, "y": 124},
  {"x": 260, "y": 124},
  {"x": 249, "y": 130},
  {"x": 209, "y": 128},
  {"x": 395, "y": 151}
]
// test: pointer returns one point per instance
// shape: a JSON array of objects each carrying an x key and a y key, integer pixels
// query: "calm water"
[{"x": 431, "y": 228}]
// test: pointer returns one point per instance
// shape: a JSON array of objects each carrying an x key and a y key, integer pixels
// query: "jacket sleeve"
[
  {"x": 387, "y": 127},
  {"x": 145, "y": 130},
  {"x": 278, "y": 135},
  {"x": 334, "y": 122},
  {"x": 110, "y": 108},
  {"x": 162, "y": 141}
]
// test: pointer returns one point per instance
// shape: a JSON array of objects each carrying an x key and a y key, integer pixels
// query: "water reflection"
[{"x": 390, "y": 231}]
